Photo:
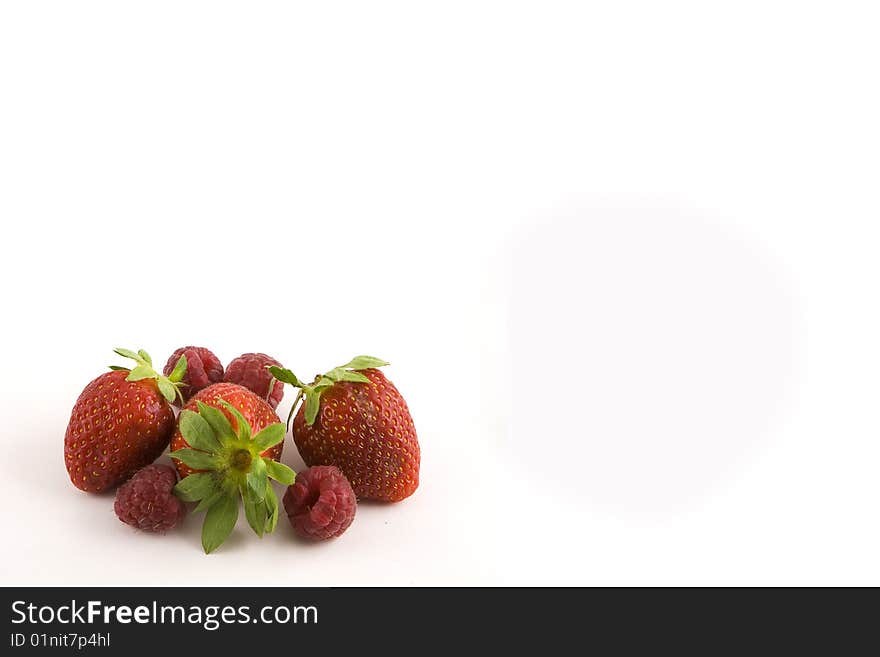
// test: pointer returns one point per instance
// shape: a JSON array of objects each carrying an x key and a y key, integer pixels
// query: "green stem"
[{"x": 296, "y": 401}]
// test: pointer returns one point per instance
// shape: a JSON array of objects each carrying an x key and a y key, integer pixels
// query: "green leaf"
[
  {"x": 340, "y": 374},
  {"x": 255, "y": 511},
  {"x": 334, "y": 374},
  {"x": 167, "y": 389},
  {"x": 141, "y": 372},
  {"x": 127, "y": 353},
  {"x": 218, "y": 421},
  {"x": 119, "y": 368},
  {"x": 257, "y": 481},
  {"x": 179, "y": 370},
  {"x": 285, "y": 375},
  {"x": 143, "y": 354},
  {"x": 279, "y": 472},
  {"x": 209, "y": 501},
  {"x": 197, "y": 432},
  {"x": 196, "y": 486},
  {"x": 194, "y": 459},
  {"x": 219, "y": 522},
  {"x": 313, "y": 404},
  {"x": 364, "y": 363},
  {"x": 271, "y": 510},
  {"x": 256, "y": 516},
  {"x": 244, "y": 429},
  {"x": 269, "y": 437}
]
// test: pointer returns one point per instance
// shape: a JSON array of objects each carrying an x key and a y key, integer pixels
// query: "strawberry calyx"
[
  {"x": 169, "y": 386},
  {"x": 230, "y": 466},
  {"x": 311, "y": 393}
]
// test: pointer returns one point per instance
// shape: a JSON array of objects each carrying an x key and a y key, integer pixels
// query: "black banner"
[{"x": 389, "y": 621}]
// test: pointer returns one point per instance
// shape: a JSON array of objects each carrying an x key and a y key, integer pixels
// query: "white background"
[{"x": 623, "y": 258}]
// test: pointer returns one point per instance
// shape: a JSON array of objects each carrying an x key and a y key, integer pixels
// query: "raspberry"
[
  {"x": 202, "y": 369},
  {"x": 320, "y": 504},
  {"x": 145, "y": 501},
  {"x": 249, "y": 370}
]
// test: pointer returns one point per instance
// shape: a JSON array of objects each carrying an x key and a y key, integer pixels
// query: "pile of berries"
[{"x": 351, "y": 427}]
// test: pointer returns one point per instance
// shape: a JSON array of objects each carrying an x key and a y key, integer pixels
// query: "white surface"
[{"x": 623, "y": 257}]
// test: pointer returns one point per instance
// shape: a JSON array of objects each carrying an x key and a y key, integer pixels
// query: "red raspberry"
[
  {"x": 321, "y": 503},
  {"x": 202, "y": 369},
  {"x": 145, "y": 501},
  {"x": 249, "y": 370}
]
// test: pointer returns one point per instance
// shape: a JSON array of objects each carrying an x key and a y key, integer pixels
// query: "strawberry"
[
  {"x": 121, "y": 422},
  {"x": 256, "y": 411},
  {"x": 354, "y": 418},
  {"x": 226, "y": 445}
]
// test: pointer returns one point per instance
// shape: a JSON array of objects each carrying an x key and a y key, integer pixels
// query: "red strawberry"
[
  {"x": 256, "y": 412},
  {"x": 354, "y": 418},
  {"x": 121, "y": 422},
  {"x": 225, "y": 444}
]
